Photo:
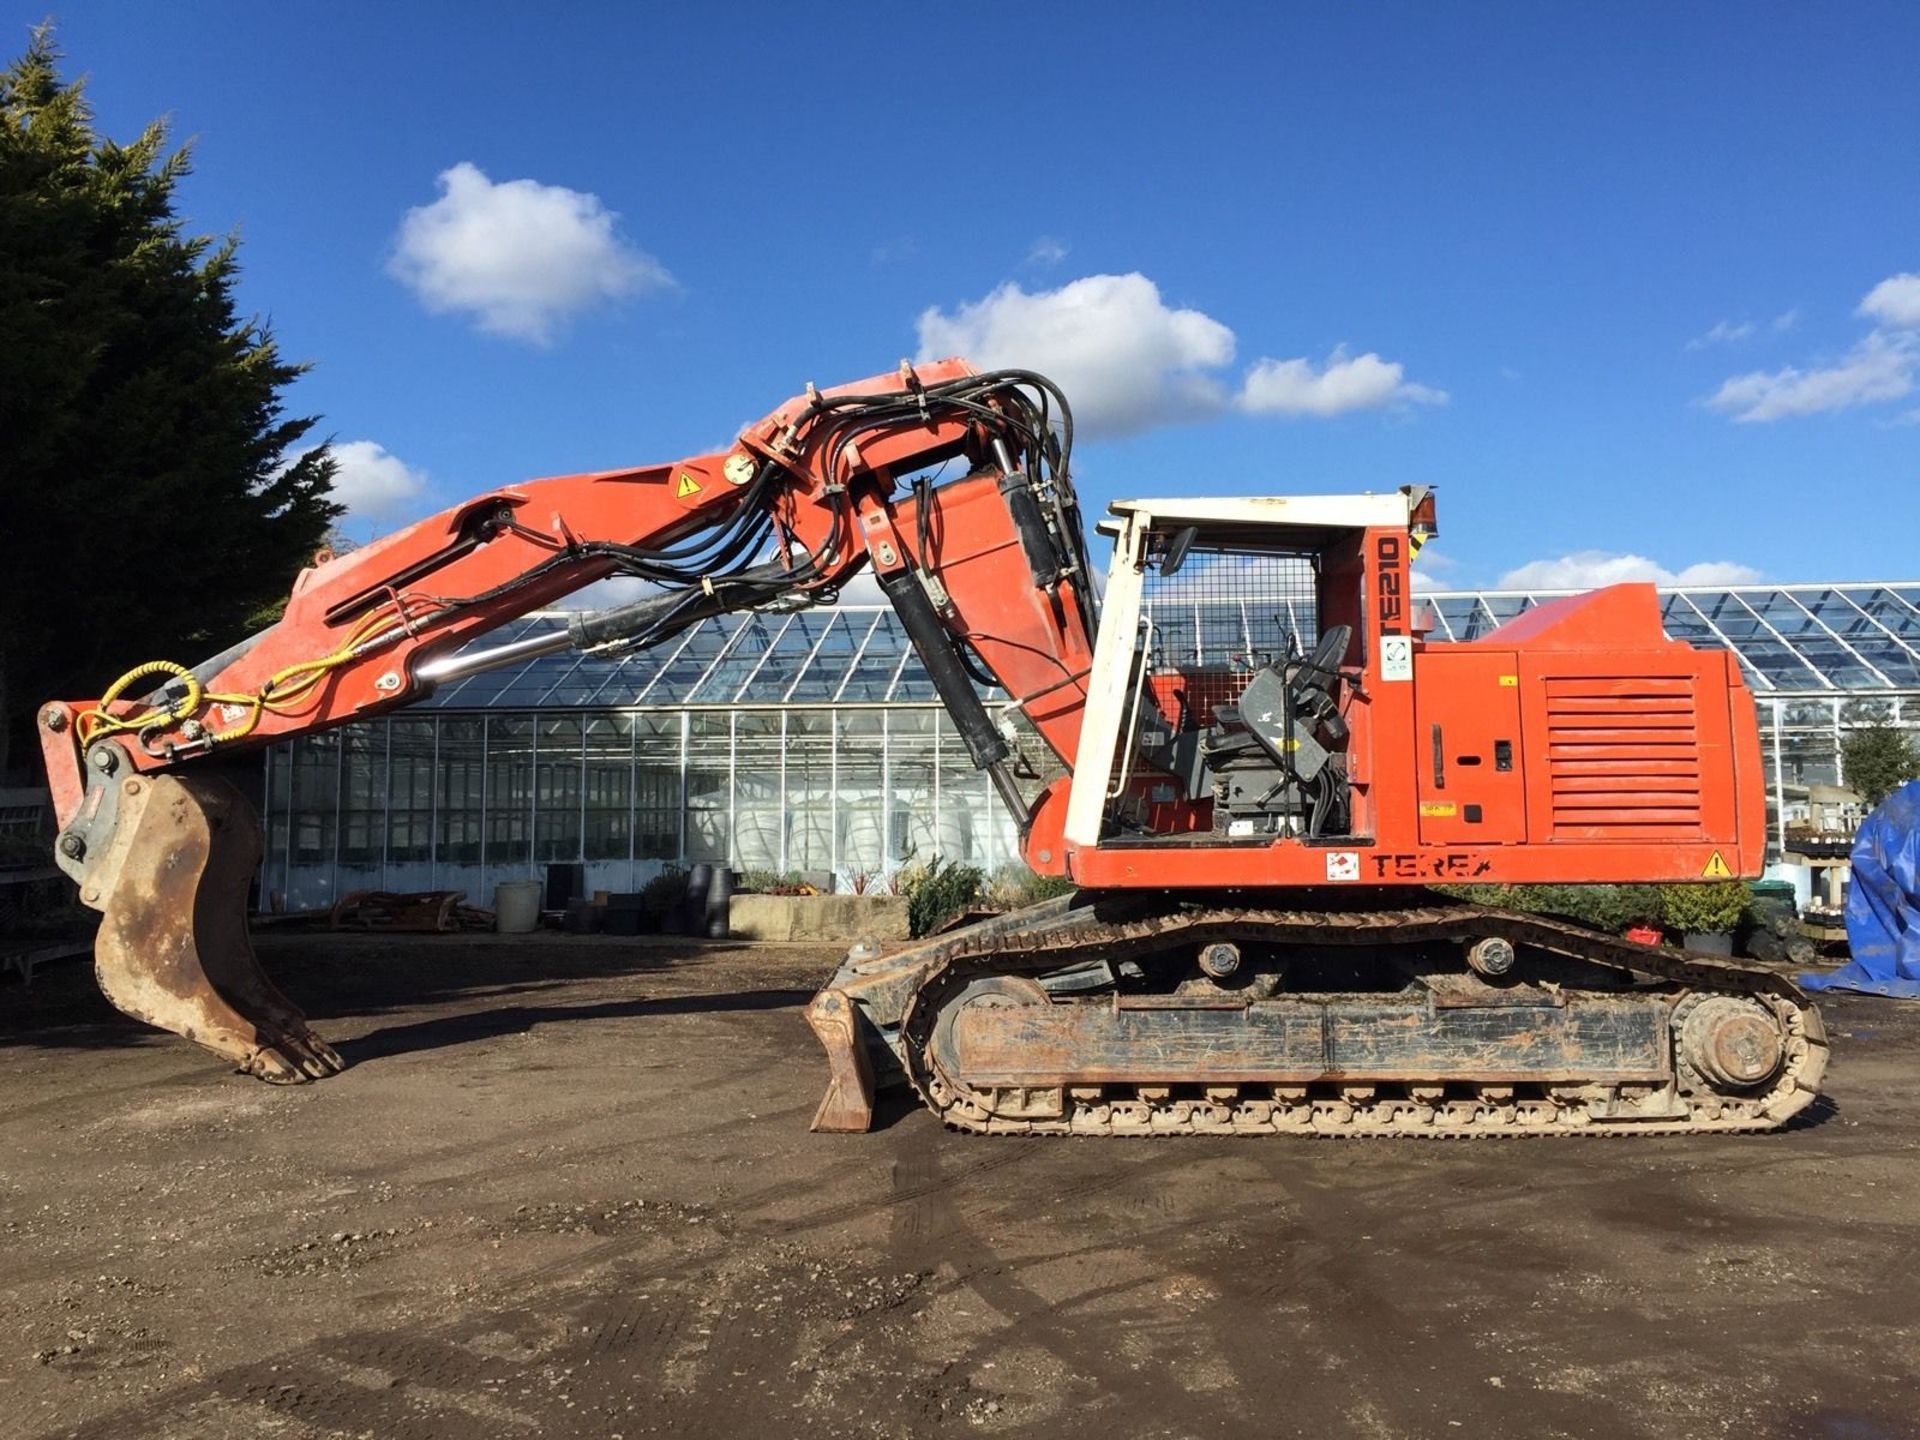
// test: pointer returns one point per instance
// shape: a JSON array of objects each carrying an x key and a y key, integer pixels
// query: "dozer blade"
[
  {"x": 847, "y": 1107},
  {"x": 173, "y": 948}
]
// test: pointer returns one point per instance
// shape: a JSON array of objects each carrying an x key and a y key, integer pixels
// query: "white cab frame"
[{"x": 1131, "y": 522}]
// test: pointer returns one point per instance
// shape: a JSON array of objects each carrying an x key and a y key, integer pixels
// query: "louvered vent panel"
[{"x": 1623, "y": 758}]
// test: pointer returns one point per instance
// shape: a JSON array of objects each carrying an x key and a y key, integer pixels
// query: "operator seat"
[{"x": 1285, "y": 711}]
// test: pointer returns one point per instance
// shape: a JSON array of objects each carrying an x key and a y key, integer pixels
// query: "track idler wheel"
[
  {"x": 1734, "y": 1043},
  {"x": 173, "y": 948}
]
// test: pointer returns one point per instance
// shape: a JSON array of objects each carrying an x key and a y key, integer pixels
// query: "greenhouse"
[{"x": 811, "y": 742}]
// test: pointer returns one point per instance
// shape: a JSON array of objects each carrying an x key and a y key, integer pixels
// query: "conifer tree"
[{"x": 155, "y": 499}]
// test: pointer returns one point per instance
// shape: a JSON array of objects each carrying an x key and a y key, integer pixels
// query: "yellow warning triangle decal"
[
  {"x": 1717, "y": 868},
  {"x": 688, "y": 486}
]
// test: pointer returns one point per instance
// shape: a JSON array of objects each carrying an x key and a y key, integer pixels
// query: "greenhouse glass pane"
[
  {"x": 509, "y": 790},
  {"x": 609, "y": 787},
  {"x": 316, "y": 798},
  {"x": 1457, "y": 614},
  {"x": 1780, "y": 663},
  {"x": 809, "y": 795},
  {"x": 862, "y": 792},
  {"x": 1498, "y": 609},
  {"x": 757, "y": 817},
  {"x": 362, "y": 793},
  {"x": 871, "y": 676},
  {"x": 709, "y": 785},
  {"x": 556, "y": 801},
  {"x": 783, "y": 663},
  {"x": 1895, "y": 606},
  {"x": 912, "y": 683},
  {"x": 1877, "y": 710},
  {"x": 410, "y": 790},
  {"x": 530, "y": 685},
  {"x": 656, "y": 786},
  {"x": 1808, "y": 759},
  {"x": 1681, "y": 625},
  {"x": 910, "y": 784},
  {"x": 1778, "y": 610},
  {"x": 462, "y": 783},
  {"x": 960, "y": 836},
  {"x": 1900, "y": 666},
  {"x": 619, "y": 680},
  {"x": 1807, "y": 714},
  {"x": 818, "y": 678},
  {"x": 676, "y": 680},
  {"x": 575, "y": 679},
  {"x": 753, "y": 638}
]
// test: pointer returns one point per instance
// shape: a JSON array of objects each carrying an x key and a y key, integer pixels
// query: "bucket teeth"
[{"x": 173, "y": 948}]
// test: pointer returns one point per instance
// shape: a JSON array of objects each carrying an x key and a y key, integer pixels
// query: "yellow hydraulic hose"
[{"x": 281, "y": 689}]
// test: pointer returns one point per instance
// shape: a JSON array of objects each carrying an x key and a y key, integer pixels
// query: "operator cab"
[{"x": 1236, "y": 650}]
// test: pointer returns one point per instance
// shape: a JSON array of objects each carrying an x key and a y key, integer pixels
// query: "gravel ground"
[{"x": 567, "y": 1189}]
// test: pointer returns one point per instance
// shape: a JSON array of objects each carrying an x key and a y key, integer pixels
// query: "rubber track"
[{"x": 1127, "y": 930}]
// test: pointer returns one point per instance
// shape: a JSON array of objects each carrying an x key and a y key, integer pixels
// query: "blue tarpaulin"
[{"x": 1883, "y": 907}]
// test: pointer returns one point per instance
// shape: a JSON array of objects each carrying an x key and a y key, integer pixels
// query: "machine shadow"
[
  {"x": 333, "y": 976},
  {"x": 444, "y": 1031}
]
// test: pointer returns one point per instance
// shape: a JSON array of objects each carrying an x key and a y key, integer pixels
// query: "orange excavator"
[{"x": 1265, "y": 771}]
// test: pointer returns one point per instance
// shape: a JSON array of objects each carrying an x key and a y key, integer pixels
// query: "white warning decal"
[
  {"x": 1343, "y": 865},
  {"x": 1396, "y": 657}
]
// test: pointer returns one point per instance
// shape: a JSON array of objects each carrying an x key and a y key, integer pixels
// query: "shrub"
[
  {"x": 1014, "y": 887},
  {"x": 1608, "y": 908},
  {"x": 774, "y": 882},
  {"x": 936, "y": 892},
  {"x": 663, "y": 893},
  {"x": 1712, "y": 908}
]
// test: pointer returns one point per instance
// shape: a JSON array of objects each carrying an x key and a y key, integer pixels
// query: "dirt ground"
[{"x": 567, "y": 1189}]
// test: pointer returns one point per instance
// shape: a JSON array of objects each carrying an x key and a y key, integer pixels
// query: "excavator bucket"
[{"x": 173, "y": 948}]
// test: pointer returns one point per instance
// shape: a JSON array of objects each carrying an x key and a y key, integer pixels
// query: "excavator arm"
[{"x": 988, "y": 573}]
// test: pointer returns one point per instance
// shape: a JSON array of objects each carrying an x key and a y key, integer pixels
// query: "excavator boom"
[{"x": 807, "y": 496}]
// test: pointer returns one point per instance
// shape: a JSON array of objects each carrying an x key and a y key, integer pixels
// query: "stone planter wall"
[{"x": 828, "y": 919}]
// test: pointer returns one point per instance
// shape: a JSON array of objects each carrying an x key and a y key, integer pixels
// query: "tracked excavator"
[{"x": 1264, "y": 769}]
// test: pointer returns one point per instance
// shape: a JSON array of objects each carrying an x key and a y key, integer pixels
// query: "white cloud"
[
  {"x": 606, "y": 594},
  {"x": 1727, "y": 332},
  {"x": 904, "y": 247},
  {"x": 1589, "y": 569},
  {"x": 1047, "y": 251},
  {"x": 1430, "y": 569},
  {"x": 1894, "y": 302},
  {"x": 377, "y": 487},
  {"x": 1724, "y": 332},
  {"x": 1358, "y": 382},
  {"x": 1129, "y": 361},
  {"x": 1879, "y": 368},
  {"x": 522, "y": 258}
]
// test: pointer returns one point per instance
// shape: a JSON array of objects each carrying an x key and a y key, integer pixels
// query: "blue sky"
[{"x": 1624, "y": 279}]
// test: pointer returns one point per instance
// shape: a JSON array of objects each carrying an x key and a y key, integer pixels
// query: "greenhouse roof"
[{"x": 1804, "y": 639}]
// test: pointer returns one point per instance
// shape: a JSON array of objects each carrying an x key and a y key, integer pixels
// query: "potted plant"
[{"x": 1706, "y": 913}]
